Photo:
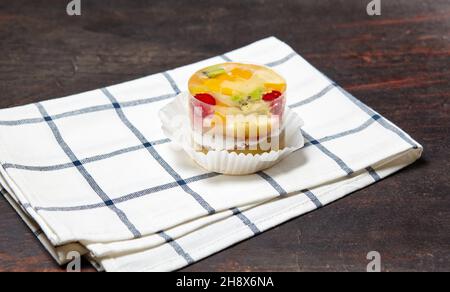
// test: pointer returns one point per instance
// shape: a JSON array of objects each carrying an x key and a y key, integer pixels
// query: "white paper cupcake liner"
[{"x": 176, "y": 126}]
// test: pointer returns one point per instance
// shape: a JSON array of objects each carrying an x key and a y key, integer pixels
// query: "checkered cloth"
[{"x": 93, "y": 172}]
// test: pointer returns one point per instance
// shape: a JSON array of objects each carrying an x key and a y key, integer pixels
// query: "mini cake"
[{"x": 238, "y": 108}]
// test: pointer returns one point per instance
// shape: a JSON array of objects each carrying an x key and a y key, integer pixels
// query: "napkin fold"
[{"x": 94, "y": 173}]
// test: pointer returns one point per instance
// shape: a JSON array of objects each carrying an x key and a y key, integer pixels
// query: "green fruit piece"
[
  {"x": 213, "y": 72},
  {"x": 236, "y": 98},
  {"x": 256, "y": 94}
]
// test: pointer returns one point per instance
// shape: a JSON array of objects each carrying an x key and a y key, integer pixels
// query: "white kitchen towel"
[{"x": 94, "y": 173}]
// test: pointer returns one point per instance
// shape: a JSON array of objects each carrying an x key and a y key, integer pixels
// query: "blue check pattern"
[{"x": 178, "y": 181}]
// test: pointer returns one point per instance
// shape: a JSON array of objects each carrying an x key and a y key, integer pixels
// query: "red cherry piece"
[
  {"x": 205, "y": 101},
  {"x": 271, "y": 95},
  {"x": 206, "y": 98}
]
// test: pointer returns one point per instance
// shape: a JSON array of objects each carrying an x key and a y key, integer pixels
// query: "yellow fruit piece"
[
  {"x": 227, "y": 91},
  {"x": 275, "y": 86},
  {"x": 196, "y": 88},
  {"x": 213, "y": 84},
  {"x": 242, "y": 73},
  {"x": 226, "y": 77}
]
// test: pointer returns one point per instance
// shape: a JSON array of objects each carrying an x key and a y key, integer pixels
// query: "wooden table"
[{"x": 398, "y": 63}]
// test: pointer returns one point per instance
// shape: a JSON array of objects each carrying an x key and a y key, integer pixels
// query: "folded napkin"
[{"x": 94, "y": 173}]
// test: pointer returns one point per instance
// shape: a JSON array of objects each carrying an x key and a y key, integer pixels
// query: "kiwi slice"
[
  {"x": 237, "y": 98},
  {"x": 256, "y": 94},
  {"x": 213, "y": 72}
]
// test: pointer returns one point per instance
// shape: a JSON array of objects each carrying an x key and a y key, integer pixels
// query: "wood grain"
[{"x": 398, "y": 63}]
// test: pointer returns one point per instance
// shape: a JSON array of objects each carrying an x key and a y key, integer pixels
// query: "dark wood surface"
[{"x": 398, "y": 63}]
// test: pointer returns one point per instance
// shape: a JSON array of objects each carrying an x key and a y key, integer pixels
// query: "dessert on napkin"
[{"x": 94, "y": 173}]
